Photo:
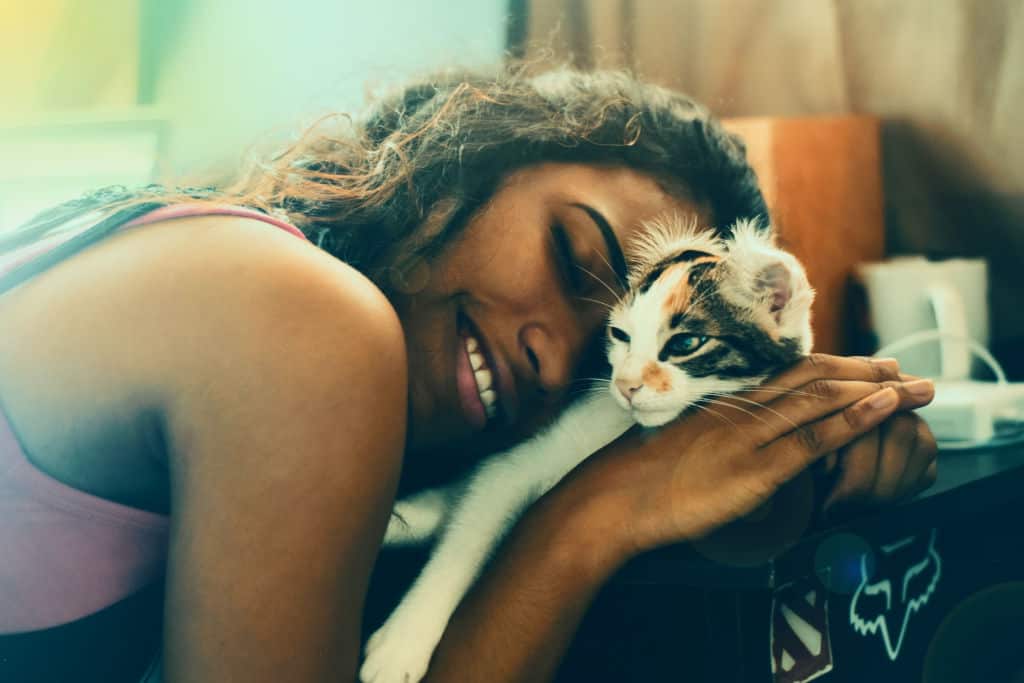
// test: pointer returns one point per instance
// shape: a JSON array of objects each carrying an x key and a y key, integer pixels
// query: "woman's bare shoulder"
[
  {"x": 245, "y": 273},
  {"x": 174, "y": 317},
  {"x": 174, "y": 287},
  {"x": 259, "y": 310}
]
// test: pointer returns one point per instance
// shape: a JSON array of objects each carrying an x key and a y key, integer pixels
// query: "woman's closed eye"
[
  {"x": 583, "y": 268},
  {"x": 565, "y": 259}
]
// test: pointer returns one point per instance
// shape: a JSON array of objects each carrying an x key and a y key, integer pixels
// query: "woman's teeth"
[{"x": 483, "y": 376}]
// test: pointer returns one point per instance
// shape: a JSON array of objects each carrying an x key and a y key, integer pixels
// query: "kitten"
[{"x": 702, "y": 316}]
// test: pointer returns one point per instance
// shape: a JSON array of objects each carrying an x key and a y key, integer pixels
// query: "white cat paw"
[{"x": 400, "y": 651}]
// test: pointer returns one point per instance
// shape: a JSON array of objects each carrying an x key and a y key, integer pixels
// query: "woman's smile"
[
  {"x": 485, "y": 386},
  {"x": 474, "y": 379}
]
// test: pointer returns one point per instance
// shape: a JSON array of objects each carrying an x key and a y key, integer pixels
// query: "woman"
[{"x": 217, "y": 368}]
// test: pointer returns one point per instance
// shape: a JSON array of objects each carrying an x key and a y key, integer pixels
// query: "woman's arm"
[
  {"x": 283, "y": 383},
  {"x": 643, "y": 491}
]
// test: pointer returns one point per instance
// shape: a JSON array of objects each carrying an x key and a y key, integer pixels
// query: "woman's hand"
[
  {"x": 893, "y": 461},
  {"x": 708, "y": 469}
]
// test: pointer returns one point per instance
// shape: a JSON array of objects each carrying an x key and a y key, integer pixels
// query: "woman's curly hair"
[{"x": 432, "y": 153}]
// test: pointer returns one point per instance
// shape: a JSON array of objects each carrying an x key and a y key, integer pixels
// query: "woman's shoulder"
[
  {"x": 153, "y": 311},
  {"x": 192, "y": 272},
  {"x": 269, "y": 297},
  {"x": 227, "y": 256},
  {"x": 237, "y": 333},
  {"x": 197, "y": 289}
]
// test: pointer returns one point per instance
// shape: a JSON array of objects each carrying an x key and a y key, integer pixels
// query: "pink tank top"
[{"x": 66, "y": 554}]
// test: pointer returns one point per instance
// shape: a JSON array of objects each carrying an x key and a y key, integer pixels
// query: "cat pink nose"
[{"x": 628, "y": 388}]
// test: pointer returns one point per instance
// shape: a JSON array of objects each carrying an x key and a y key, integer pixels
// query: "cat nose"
[{"x": 628, "y": 388}]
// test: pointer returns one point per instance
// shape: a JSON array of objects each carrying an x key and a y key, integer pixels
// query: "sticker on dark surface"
[
  {"x": 905, "y": 576},
  {"x": 800, "y": 644}
]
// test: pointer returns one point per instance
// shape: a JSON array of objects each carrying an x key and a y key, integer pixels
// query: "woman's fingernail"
[
  {"x": 883, "y": 400},
  {"x": 921, "y": 388}
]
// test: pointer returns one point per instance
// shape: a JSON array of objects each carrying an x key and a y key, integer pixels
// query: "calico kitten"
[{"x": 702, "y": 316}]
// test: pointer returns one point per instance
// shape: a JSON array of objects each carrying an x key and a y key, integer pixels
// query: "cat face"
[{"x": 704, "y": 315}]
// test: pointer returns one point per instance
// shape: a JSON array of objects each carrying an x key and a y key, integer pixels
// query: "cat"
[{"x": 702, "y": 315}]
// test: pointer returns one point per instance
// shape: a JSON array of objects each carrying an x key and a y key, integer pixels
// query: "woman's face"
[{"x": 517, "y": 303}]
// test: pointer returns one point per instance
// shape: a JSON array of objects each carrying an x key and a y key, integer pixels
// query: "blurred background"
[
  {"x": 94, "y": 92},
  {"x": 127, "y": 91}
]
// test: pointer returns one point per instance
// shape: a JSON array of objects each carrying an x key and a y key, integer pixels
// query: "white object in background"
[
  {"x": 910, "y": 294},
  {"x": 970, "y": 414}
]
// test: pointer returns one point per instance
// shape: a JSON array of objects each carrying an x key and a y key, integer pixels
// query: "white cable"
[{"x": 918, "y": 338}]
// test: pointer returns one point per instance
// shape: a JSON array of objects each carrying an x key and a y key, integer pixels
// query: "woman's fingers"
[
  {"x": 860, "y": 467},
  {"x": 763, "y": 422},
  {"x": 931, "y": 475},
  {"x": 790, "y": 454},
  {"x": 922, "y": 468},
  {"x": 891, "y": 462},
  {"x": 819, "y": 366},
  {"x": 898, "y": 448}
]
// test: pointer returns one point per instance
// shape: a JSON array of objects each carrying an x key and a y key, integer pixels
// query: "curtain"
[{"x": 945, "y": 76}]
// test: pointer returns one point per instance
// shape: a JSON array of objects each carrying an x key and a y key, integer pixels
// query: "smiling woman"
[{"x": 252, "y": 368}]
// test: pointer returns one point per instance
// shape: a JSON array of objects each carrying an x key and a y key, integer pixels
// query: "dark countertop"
[
  {"x": 969, "y": 483},
  {"x": 931, "y": 589}
]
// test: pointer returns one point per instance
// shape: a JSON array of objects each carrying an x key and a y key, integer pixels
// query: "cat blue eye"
[
  {"x": 616, "y": 333},
  {"x": 683, "y": 344}
]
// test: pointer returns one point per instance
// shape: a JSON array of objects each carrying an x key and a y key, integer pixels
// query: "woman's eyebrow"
[{"x": 617, "y": 258}]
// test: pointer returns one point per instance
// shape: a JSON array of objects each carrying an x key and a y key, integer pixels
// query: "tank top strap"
[
  {"x": 173, "y": 211},
  {"x": 32, "y": 259}
]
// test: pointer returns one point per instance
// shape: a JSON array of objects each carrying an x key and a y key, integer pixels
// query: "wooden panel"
[{"x": 821, "y": 177}]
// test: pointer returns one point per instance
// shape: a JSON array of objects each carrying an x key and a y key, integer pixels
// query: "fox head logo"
[{"x": 904, "y": 579}]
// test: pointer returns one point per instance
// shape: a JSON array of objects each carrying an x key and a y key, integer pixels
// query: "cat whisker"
[
  {"x": 602, "y": 304},
  {"x": 758, "y": 404},
  {"x": 700, "y": 406},
  {"x": 783, "y": 390},
  {"x": 590, "y": 392},
  {"x": 604, "y": 381},
  {"x": 591, "y": 389},
  {"x": 622, "y": 283},
  {"x": 617, "y": 295},
  {"x": 726, "y": 404}
]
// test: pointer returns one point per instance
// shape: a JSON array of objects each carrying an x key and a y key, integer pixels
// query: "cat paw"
[{"x": 399, "y": 652}]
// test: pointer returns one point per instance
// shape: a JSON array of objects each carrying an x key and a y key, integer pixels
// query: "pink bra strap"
[{"x": 173, "y": 211}]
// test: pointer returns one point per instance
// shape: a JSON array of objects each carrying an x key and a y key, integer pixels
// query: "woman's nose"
[{"x": 550, "y": 355}]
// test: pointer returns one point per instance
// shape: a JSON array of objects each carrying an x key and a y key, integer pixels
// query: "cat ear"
[
  {"x": 770, "y": 283},
  {"x": 773, "y": 285}
]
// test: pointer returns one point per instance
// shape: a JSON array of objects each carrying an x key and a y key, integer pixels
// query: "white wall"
[{"x": 243, "y": 70}]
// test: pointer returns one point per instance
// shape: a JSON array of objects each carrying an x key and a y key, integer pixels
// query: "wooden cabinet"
[{"x": 821, "y": 177}]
